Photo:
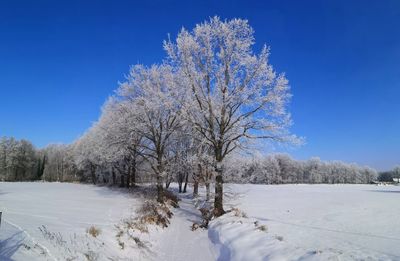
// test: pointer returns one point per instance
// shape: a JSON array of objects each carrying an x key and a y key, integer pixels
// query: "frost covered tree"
[
  {"x": 282, "y": 169},
  {"x": 18, "y": 160},
  {"x": 58, "y": 163},
  {"x": 86, "y": 153},
  {"x": 121, "y": 143},
  {"x": 153, "y": 98},
  {"x": 236, "y": 96}
]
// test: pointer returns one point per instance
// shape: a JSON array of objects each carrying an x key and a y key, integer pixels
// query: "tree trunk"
[
  {"x": 122, "y": 181},
  {"x": 93, "y": 173},
  {"x": 196, "y": 180},
  {"x": 180, "y": 181},
  {"x": 186, "y": 182},
  {"x": 133, "y": 177},
  {"x": 167, "y": 183},
  {"x": 180, "y": 186},
  {"x": 128, "y": 177},
  {"x": 113, "y": 176},
  {"x": 195, "y": 187},
  {"x": 219, "y": 192},
  {"x": 160, "y": 192},
  {"x": 207, "y": 191}
]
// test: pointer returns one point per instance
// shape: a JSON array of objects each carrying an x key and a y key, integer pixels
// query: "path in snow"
[{"x": 178, "y": 242}]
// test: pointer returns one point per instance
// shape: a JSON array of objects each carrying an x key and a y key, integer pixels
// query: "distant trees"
[
  {"x": 390, "y": 176},
  {"x": 58, "y": 163},
  {"x": 282, "y": 169},
  {"x": 19, "y": 160}
]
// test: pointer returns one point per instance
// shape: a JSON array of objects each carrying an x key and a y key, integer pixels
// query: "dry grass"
[
  {"x": 263, "y": 228},
  {"x": 171, "y": 199},
  {"x": 206, "y": 215},
  {"x": 238, "y": 213},
  {"x": 150, "y": 213},
  {"x": 93, "y": 231},
  {"x": 155, "y": 213}
]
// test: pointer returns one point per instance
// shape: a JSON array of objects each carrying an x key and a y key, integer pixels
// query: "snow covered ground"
[
  {"x": 68, "y": 209},
  {"x": 312, "y": 222},
  {"x": 286, "y": 222}
]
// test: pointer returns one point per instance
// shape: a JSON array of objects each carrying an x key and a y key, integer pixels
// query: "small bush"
[
  {"x": 263, "y": 228},
  {"x": 171, "y": 199},
  {"x": 152, "y": 212},
  {"x": 93, "y": 231},
  {"x": 138, "y": 242},
  {"x": 91, "y": 256},
  {"x": 280, "y": 238}
]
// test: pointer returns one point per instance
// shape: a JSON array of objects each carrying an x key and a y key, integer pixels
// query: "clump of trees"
[
  {"x": 183, "y": 120},
  {"x": 19, "y": 160},
  {"x": 282, "y": 169},
  {"x": 390, "y": 176},
  {"x": 212, "y": 90}
]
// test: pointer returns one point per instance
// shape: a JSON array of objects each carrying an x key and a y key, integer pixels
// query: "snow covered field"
[
  {"x": 63, "y": 208},
  {"x": 67, "y": 210},
  {"x": 302, "y": 222},
  {"x": 316, "y": 222}
]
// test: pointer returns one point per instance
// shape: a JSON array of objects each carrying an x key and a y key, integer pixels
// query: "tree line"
[
  {"x": 282, "y": 169},
  {"x": 19, "y": 160}
]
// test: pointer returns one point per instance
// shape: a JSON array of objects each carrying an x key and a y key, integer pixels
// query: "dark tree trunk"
[
  {"x": 207, "y": 190},
  {"x": 122, "y": 181},
  {"x": 167, "y": 183},
  {"x": 196, "y": 188},
  {"x": 181, "y": 177},
  {"x": 160, "y": 192},
  {"x": 219, "y": 193},
  {"x": 186, "y": 182},
  {"x": 128, "y": 177},
  {"x": 133, "y": 177},
  {"x": 180, "y": 186},
  {"x": 93, "y": 173},
  {"x": 113, "y": 176},
  {"x": 196, "y": 181}
]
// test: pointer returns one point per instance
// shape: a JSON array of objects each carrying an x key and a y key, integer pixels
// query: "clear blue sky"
[{"x": 59, "y": 60}]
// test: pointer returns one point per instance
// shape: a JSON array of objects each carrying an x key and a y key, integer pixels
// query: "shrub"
[
  {"x": 93, "y": 231},
  {"x": 263, "y": 228},
  {"x": 171, "y": 199}
]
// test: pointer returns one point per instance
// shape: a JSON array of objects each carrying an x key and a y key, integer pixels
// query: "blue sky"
[{"x": 59, "y": 60}]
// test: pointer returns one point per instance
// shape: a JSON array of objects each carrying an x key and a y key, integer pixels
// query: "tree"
[
  {"x": 86, "y": 151},
  {"x": 236, "y": 96},
  {"x": 121, "y": 142},
  {"x": 18, "y": 160},
  {"x": 153, "y": 99}
]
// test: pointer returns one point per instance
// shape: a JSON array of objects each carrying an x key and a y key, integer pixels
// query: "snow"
[
  {"x": 69, "y": 209},
  {"x": 303, "y": 222},
  {"x": 179, "y": 243},
  {"x": 63, "y": 208},
  {"x": 311, "y": 222}
]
